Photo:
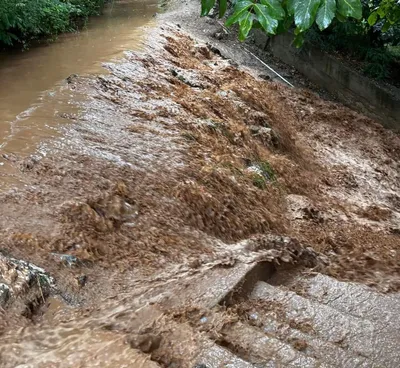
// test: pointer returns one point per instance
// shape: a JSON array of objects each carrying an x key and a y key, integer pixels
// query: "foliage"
[
  {"x": 259, "y": 181},
  {"x": 376, "y": 17},
  {"x": 363, "y": 30},
  {"x": 267, "y": 171},
  {"x": 263, "y": 174},
  {"x": 372, "y": 47},
  {"x": 386, "y": 10},
  {"x": 23, "y": 20},
  {"x": 394, "y": 51},
  {"x": 276, "y": 16}
]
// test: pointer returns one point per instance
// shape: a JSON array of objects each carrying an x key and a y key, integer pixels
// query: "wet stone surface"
[{"x": 19, "y": 278}]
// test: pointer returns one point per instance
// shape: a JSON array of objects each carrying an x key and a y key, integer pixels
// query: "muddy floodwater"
[
  {"x": 31, "y": 98},
  {"x": 185, "y": 211}
]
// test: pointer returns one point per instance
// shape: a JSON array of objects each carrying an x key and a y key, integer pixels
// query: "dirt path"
[{"x": 178, "y": 158}]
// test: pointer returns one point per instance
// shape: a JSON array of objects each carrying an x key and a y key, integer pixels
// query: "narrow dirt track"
[{"x": 178, "y": 157}]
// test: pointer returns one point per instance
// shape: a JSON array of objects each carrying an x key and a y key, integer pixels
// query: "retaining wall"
[{"x": 349, "y": 86}]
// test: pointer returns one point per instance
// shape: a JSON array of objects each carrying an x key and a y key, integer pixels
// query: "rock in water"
[
  {"x": 19, "y": 278},
  {"x": 4, "y": 295}
]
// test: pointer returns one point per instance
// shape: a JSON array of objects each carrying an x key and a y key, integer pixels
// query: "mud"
[
  {"x": 178, "y": 163},
  {"x": 34, "y": 107},
  {"x": 127, "y": 184}
]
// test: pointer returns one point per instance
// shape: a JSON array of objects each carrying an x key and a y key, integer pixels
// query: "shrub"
[
  {"x": 24, "y": 20},
  {"x": 373, "y": 49}
]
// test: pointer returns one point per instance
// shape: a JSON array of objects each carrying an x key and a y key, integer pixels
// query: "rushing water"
[
  {"x": 33, "y": 99},
  {"x": 31, "y": 104}
]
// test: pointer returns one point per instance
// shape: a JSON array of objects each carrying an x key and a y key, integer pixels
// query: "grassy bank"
[{"x": 24, "y": 20}]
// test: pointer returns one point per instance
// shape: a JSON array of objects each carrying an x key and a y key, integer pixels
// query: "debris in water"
[
  {"x": 82, "y": 280},
  {"x": 20, "y": 279},
  {"x": 203, "y": 320},
  {"x": 4, "y": 294},
  {"x": 67, "y": 259},
  {"x": 147, "y": 343}
]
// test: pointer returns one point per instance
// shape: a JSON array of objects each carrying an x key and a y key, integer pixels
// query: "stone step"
[
  {"x": 217, "y": 357},
  {"x": 220, "y": 284},
  {"x": 305, "y": 340},
  {"x": 350, "y": 298},
  {"x": 358, "y": 336},
  {"x": 263, "y": 350}
]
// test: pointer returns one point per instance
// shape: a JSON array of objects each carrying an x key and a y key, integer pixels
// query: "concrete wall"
[{"x": 350, "y": 87}]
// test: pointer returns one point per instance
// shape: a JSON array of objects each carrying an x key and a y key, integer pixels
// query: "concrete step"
[
  {"x": 350, "y": 298},
  {"x": 263, "y": 350},
  {"x": 227, "y": 282},
  {"x": 217, "y": 357},
  {"x": 355, "y": 335},
  {"x": 305, "y": 340}
]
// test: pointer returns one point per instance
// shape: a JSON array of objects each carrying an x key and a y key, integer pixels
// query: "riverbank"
[
  {"x": 181, "y": 161},
  {"x": 35, "y": 100}
]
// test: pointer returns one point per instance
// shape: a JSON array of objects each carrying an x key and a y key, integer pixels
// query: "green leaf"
[
  {"x": 372, "y": 18},
  {"x": 284, "y": 25},
  {"x": 206, "y": 6},
  {"x": 341, "y": 18},
  {"x": 299, "y": 40},
  {"x": 245, "y": 25},
  {"x": 381, "y": 12},
  {"x": 267, "y": 22},
  {"x": 222, "y": 7},
  {"x": 326, "y": 13},
  {"x": 290, "y": 6},
  {"x": 386, "y": 26},
  {"x": 275, "y": 9},
  {"x": 239, "y": 12},
  {"x": 305, "y": 12},
  {"x": 350, "y": 8}
]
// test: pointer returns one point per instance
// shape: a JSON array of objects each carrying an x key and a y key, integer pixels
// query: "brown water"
[
  {"x": 154, "y": 241},
  {"x": 32, "y": 100}
]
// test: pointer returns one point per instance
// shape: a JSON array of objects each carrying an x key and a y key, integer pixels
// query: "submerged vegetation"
[
  {"x": 262, "y": 174},
  {"x": 24, "y": 20}
]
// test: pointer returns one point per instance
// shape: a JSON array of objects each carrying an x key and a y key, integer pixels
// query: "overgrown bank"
[
  {"x": 22, "y": 21},
  {"x": 365, "y": 33},
  {"x": 367, "y": 49}
]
